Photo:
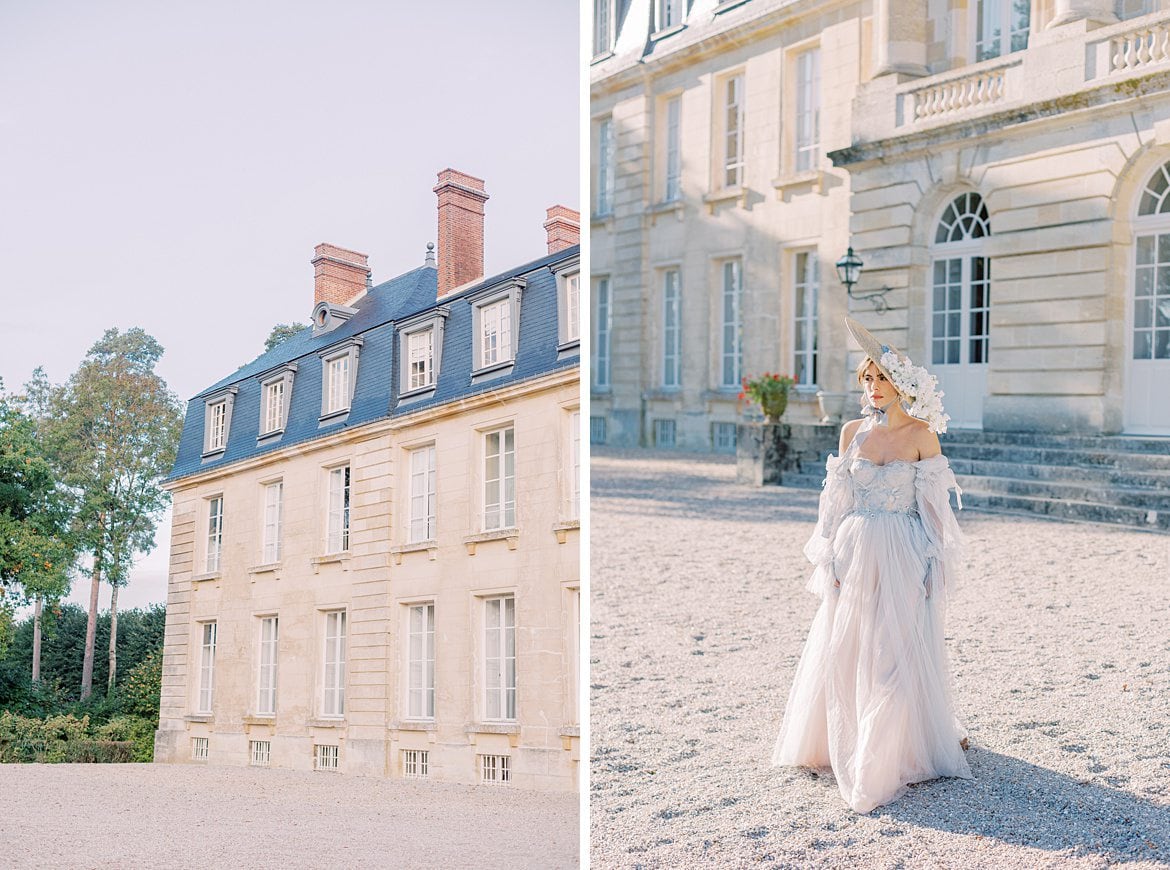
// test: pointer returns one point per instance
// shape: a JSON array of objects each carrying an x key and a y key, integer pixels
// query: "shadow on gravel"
[{"x": 1021, "y": 804}]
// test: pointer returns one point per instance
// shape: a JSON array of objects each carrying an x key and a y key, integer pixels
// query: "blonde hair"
[{"x": 865, "y": 364}]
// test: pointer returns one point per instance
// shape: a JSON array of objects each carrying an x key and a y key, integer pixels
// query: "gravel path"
[
  {"x": 1060, "y": 643},
  {"x": 142, "y": 815}
]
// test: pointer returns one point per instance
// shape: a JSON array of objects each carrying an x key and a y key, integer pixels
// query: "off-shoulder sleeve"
[
  {"x": 836, "y": 501},
  {"x": 933, "y": 482}
]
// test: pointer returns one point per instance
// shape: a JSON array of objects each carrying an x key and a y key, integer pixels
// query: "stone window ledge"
[
  {"x": 728, "y": 394},
  {"x": 810, "y": 178},
  {"x": 198, "y": 717},
  {"x": 325, "y": 723},
  {"x": 602, "y": 55},
  {"x": 430, "y": 546},
  {"x": 667, "y": 31},
  {"x": 210, "y": 575},
  {"x": 511, "y": 729},
  {"x": 260, "y": 719},
  {"x": 674, "y": 207},
  {"x": 563, "y": 528},
  {"x": 570, "y": 731},
  {"x": 602, "y": 220},
  {"x": 725, "y": 5},
  {"x": 270, "y": 568},
  {"x": 495, "y": 370},
  {"x": 414, "y": 725},
  {"x": 417, "y": 393},
  {"x": 341, "y": 559},
  {"x": 511, "y": 535},
  {"x": 738, "y": 195}
]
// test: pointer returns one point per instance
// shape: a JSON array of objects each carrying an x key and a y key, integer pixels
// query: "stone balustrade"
[
  {"x": 1141, "y": 47},
  {"x": 955, "y": 95}
]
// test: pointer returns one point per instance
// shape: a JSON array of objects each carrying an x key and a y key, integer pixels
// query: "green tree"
[
  {"x": 113, "y": 430},
  {"x": 36, "y": 549},
  {"x": 280, "y": 332}
]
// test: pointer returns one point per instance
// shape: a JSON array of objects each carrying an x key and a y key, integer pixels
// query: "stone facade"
[{"x": 993, "y": 191}]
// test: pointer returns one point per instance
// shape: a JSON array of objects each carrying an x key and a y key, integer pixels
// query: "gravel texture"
[
  {"x": 143, "y": 815},
  {"x": 1060, "y": 642}
]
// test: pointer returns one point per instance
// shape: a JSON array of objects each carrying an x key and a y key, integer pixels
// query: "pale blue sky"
[{"x": 171, "y": 166}]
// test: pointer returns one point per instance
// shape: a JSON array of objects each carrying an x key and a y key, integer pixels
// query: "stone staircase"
[{"x": 1118, "y": 479}]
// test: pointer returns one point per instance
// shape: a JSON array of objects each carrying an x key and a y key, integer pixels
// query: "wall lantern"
[{"x": 849, "y": 271}]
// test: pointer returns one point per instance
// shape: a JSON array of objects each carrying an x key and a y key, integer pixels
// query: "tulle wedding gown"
[{"x": 871, "y": 696}]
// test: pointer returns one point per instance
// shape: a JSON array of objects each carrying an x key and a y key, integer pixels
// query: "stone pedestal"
[{"x": 766, "y": 451}]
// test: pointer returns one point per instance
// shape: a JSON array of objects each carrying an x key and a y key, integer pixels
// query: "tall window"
[
  {"x": 500, "y": 658},
  {"x": 573, "y": 307},
  {"x": 670, "y": 13},
  {"x": 266, "y": 695},
  {"x": 337, "y": 384},
  {"x": 671, "y": 330},
  {"x": 499, "y": 479},
  {"x": 672, "y": 189},
  {"x": 805, "y": 320},
  {"x": 961, "y": 284},
  {"x": 273, "y": 507},
  {"x": 206, "y": 667},
  {"x": 495, "y": 333},
  {"x": 731, "y": 329},
  {"x": 217, "y": 433},
  {"x": 808, "y": 109},
  {"x": 575, "y": 464},
  {"x": 333, "y": 700},
  {"x": 605, "y": 166},
  {"x": 1151, "y": 303},
  {"x": 421, "y": 662},
  {"x": 214, "y": 532},
  {"x": 601, "y": 26},
  {"x": 422, "y": 494},
  {"x": 337, "y": 533},
  {"x": 422, "y": 356},
  {"x": 274, "y": 406},
  {"x": 1001, "y": 27},
  {"x": 732, "y": 151},
  {"x": 601, "y": 328}
]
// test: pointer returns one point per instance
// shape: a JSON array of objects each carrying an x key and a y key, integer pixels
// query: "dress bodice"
[{"x": 885, "y": 488}]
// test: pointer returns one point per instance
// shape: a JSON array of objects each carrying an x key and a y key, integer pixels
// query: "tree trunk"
[
  {"x": 90, "y": 633},
  {"x": 113, "y": 641},
  {"x": 36, "y": 663}
]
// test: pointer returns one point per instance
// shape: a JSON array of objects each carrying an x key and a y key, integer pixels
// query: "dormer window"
[
  {"x": 339, "y": 365},
  {"x": 496, "y": 328},
  {"x": 275, "y": 396},
  {"x": 420, "y": 349},
  {"x": 327, "y": 316},
  {"x": 217, "y": 420},
  {"x": 568, "y": 275}
]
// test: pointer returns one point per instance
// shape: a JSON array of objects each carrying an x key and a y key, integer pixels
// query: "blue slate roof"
[{"x": 376, "y": 389}]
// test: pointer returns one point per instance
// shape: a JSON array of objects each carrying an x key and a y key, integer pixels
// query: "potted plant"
[
  {"x": 762, "y": 448},
  {"x": 770, "y": 392}
]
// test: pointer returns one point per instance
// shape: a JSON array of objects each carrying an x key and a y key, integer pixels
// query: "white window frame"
[
  {"x": 273, "y": 522},
  {"x": 807, "y": 127},
  {"x": 980, "y": 11},
  {"x": 495, "y": 769},
  {"x": 805, "y": 298},
  {"x": 415, "y": 764},
  {"x": 665, "y": 433},
  {"x": 504, "y": 299},
  {"x": 422, "y": 519},
  {"x": 274, "y": 414},
  {"x": 336, "y": 395},
  {"x": 499, "y": 512},
  {"x": 208, "y": 634},
  {"x": 420, "y": 661},
  {"x": 602, "y": 26},
  {"x": 499, "y": 660},
  {"x": 334, "y": 665},
  {"x": 199, "y": 748},
  {"x": 217, "y": 420},
  {"x": 326, "y": 756},
  {"x": 338, "y": 508},
  {"x": 728, "y": 444},
  {"x": 267, "y": 665},
  {"x": 597, "y": 429},
  {"x": 574, "y": 463},
  {"x": 672, "y": 146},
  {"x": 730, "y": 323},
  {"x": 671, "y": 328},
  {"x": 574, "y": 652},
  {"x": 602, "y": 331},
  {"x": 434, "y": 322},
  {"x": 568, "y": 276},
  {"x": 606, "y": 170},
  {"x": 731, "y": 132},
  {"x": 668, "y": 14},
  {"x": 260, "y": 753},
  {"x": 213, "y": 555}
]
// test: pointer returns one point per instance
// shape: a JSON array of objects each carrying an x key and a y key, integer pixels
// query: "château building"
[
  {"x": 1000, "y": 168},
  {"x": 375, "y": 545}
]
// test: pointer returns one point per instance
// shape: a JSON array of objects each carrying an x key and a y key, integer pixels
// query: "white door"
[
  {"x": 960, "y": 297},
  {"x": 1147, "y": 411}
]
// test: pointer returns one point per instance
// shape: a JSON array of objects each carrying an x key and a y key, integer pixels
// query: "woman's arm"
[
  {"x": 926, "y": 442},
  {"x": 847, "y": 433}
]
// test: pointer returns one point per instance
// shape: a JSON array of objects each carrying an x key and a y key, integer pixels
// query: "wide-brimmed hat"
[{"x": 872, "y": 347}]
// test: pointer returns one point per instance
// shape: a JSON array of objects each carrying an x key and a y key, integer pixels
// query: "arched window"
[
  {"x": 1149, "y": 328},
  {"x": 960, "y": 334}
]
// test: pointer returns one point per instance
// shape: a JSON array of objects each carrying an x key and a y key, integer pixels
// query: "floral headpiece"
[{"x": 919, "y": 388}]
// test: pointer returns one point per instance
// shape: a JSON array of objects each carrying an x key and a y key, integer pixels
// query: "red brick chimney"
[
  {"x": 338, "y": 275},
  {"x": 461, "y": 199},
  {"x": 563, "y": 227}
]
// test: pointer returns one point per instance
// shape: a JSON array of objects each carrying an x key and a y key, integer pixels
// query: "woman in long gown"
[{"x": 871, "y": 697}]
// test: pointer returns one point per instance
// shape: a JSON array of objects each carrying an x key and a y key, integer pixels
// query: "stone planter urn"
[
  {"x": 832, "y": 405},
  {"x": 761, "y": 453}
]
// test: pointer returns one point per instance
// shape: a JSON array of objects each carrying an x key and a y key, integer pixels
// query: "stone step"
[
  {"x": 1068, "y": 510},
  {"x": 1099, "y": 443},
  {"x": 1158, "y": 479},
  {"x": 1094, "y": 458},
  {"x": 1143, "y": 498}
]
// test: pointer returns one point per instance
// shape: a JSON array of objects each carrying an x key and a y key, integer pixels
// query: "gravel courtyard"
[
  {"x": 162, "y": 816},
  {"x": 1060, "y": 642}
]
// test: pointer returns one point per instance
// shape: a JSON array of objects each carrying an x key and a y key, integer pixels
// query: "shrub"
[{"x": 68, "y": 738}]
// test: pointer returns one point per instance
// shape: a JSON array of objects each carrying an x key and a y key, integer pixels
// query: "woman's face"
[{"x": 878, "y": 390}]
